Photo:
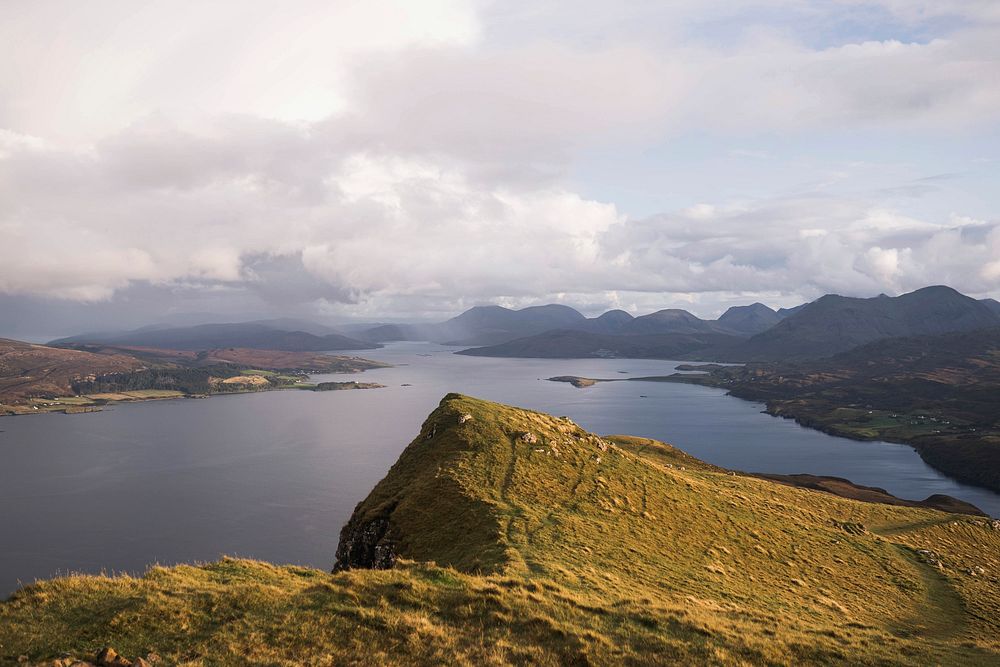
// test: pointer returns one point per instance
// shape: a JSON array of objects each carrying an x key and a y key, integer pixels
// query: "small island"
[
  {"x": 583, "y": 382},
  {"x": 341, "y": 386},
  {"x": 575, "y": 380}
]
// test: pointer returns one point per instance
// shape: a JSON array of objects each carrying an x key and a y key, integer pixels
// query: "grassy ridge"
[{"x": 518, "y": 537}]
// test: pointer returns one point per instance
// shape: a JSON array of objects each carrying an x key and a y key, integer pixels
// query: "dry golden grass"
[
  {"x": 568, "y": 549},
  {"x": 247, "y": 380}
]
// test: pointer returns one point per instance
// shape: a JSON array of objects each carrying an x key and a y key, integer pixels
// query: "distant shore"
[
  {"x": 938, "y": 438},
  {"x": 82, "y": 381},
  {"x": 80, "y": 404}
]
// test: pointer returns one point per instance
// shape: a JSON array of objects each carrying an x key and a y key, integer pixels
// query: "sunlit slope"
[
  {"x": 492, "y": 488},
  {"x": 516, "y": 536}
]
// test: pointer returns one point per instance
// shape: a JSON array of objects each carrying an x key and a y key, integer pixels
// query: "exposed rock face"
[
  {"x": 366, "y": 545},
  {"x": 108, "y": 657},
  {"x": 451, "y": 470}
]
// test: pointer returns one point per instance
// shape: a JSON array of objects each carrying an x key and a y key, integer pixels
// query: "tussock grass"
[{"x": 563, "y": 548}]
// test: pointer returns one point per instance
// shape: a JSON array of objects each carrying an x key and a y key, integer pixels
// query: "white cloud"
[
  {"x": 763, "y": 248},
  {"x": 79, "y": 74},
  {"x": 391, "y": 157},
  {"x": 373, "y": 224}
]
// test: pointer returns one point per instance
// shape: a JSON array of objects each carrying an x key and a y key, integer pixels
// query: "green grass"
[
  {"x": 70, "y": 400},
  {"x": 563, "y": 548},
  {"x": 276, "y": 375},
  {"x": 136, "y": 395}
]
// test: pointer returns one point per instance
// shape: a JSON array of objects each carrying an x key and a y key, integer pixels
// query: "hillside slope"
[
  {"x": 937, "y": 393},
  {"x": 834, "y": 324},
  {"x": 481, "y": 325},
  {"x": 39, "y": 378},
  {"x": 253, "y": 335},
  {"x": 495, "y": 325},
  {"x": 554, "y": 546},
  {"x": 749, "y": 320},
  {"x": 28, "y": 370}
]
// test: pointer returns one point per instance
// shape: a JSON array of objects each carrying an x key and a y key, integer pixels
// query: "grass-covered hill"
[
  {"x": 516, "y": 537},
  {"x": 28, "y": 370},
  {"x": 830, "y": 325},
  {"x": 254, "y": 335},
  {"x": 42, "y": 378}
]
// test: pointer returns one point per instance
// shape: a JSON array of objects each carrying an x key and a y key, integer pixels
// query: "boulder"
[{"x": 108, "y": 657}]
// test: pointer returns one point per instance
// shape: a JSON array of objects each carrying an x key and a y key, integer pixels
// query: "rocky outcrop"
[
  {"x": 106, "y": 657},
  {"x": 439, "y": 501},
  {"x": 366, "y": 544}
]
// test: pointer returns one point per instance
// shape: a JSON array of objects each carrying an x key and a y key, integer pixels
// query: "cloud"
[
  {"x": 922, "y": 10},
  {"x": 369, "y": 158},
  {"x": 363, "y": 224},
  {"x": 80, "y": 75},
  {"x": 533, "y": 105},
  {"x": 376, "y": 228},
  {"x": 803, "y": 246}
]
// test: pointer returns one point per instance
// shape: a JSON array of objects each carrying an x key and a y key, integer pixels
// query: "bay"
[{"x": 275, "y": 475}]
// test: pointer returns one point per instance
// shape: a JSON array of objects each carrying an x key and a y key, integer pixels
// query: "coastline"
[
  {"x": 73, "y": 404},
  {"x": 933, "y": 451}
]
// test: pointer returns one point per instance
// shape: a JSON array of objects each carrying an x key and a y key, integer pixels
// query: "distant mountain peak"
[
  {"x": 673, "y": 313},
  {"x": 751, "y": 319},
  {"x": 756, "y": 307},
  {"x": 835, "y": 323},
  {"x": 616, "y": 314}
]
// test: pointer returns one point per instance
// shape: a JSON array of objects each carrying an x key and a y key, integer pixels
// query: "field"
[{"x": 137, "y": 395}]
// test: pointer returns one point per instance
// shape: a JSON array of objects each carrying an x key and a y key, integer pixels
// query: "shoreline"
[
  {"x": 89, "y": 403},
  {"x": 776, "y": 408}
]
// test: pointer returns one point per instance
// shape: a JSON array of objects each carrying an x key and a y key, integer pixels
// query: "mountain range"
[
  {"x": 492, "y": 325},
  {"x": 833, "y": 323},
  {"x": 822, "y": 328},
  {"x": 262, "y": 335},
  {"x": 481, "y": 325},
  {"x": 755, "y": 332}
]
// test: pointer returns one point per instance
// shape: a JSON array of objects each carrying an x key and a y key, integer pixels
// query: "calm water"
[{"x": 275, "y": 475}]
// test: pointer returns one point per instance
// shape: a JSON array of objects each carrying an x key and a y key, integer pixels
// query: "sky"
[{"x": 389, "y": 161}]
